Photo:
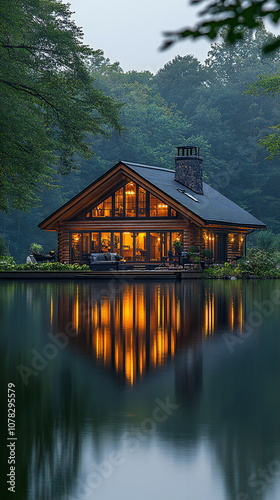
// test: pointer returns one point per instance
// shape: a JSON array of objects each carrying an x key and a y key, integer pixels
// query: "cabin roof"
[{"x": 211, "y": 206}]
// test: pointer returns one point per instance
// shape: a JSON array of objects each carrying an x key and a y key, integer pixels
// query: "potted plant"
[
  {"x": 177, "y": 246},
  {"x": 35, "y": 248},
  {"x": 194, "y": 250},
  {"x": 196, "y": 262},
  {"x": 207, "y": 255}
]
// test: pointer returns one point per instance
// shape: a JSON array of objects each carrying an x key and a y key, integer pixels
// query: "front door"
[{"x": 221, "y": 247}]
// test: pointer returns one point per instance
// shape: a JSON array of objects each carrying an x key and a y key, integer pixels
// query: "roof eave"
[{"x": 239, "y": 224}]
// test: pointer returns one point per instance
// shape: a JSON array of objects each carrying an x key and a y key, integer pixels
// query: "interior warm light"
[
  {"x": 51, "y": 310},
  {"x": 130, "y": 188},
  {"x": 76, "y": 318},
  {"x": 161, "y": 205},
  {"x": 121, "y": 331}
]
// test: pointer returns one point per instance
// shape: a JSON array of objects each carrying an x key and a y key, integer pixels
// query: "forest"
[{"x": 219, "y": 104}]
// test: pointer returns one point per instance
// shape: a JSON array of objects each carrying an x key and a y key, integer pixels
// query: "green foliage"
[
  {"x": 258, "y": 264},
  {"x": 186, "y": 102},
  {"x": 269, "y": 85},
  {"x": 207, "y": 253},
  {"x": 262, "y": 264},
  {"x": 194, "y": 249},
  {"x": 267, "y": 241},
  {"x": 3, "y": 248},
  {"x": 36, "y": 248},
  {"x": 48, "y": 100},
  {"x": 8, "y": 264},
  {"x": 177, "y": 244},
  {"x": 232, "y": 18},
  {"x": 226, "y": 270}
]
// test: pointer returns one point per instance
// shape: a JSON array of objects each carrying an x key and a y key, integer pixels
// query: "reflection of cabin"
[
  {"x": 134, "y": 331},
  {"x": 139, "y": 328},
  {"x": 139, "y": 211}
]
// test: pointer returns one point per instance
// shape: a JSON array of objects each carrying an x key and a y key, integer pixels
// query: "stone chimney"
[{"x": 188, "y": 168}]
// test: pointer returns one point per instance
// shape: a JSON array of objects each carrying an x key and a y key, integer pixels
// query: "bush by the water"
[
  {"x": 267, "y": 241},
  {"x": 9, "y": 264},
  {"x": 258, "y": 263}
]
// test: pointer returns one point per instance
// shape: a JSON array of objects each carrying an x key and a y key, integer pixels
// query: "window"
[
  {"x": 104, "y": 209},
  {"x": 131, "y": 200},
  {"x": 80, "y": 247},
  {"x": 155, "y": 246},
  {"x": 119, "y": 203},
  {"x": 127, "y": 245},
  {"x": 140, "y": 246},
  {"x": 75, "y": 246},
  {"x": 105, "y": 242},
  {"x": 95, "y": 242},
  {"x": 134, "y": 246},
  {"x": 157, "y": 207},
  {"x": 142, "y": 202}
]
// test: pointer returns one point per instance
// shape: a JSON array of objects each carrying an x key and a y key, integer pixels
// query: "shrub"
[
  {"x": 194, "y": 249},
  {"x": 207, "y": 253},
  {"x": 267, "y": 241},
  {"x": 262, "y": 264},
  {"x": 36, "y": 248},
  {"x": 227, "y": 270},
  {"x": 3, "y": 248},
  {"x": 10, "y": 265},
  {"x": 6, "y": 262}
]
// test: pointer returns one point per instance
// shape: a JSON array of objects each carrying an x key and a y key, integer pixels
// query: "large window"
[
  {"x": 104, "y": 209},
  {"x": 119, "y": 203},
  {"x": 142, "y": 203},
  {"x": 157, "y": 207},
  {"x": 133, "y": 246},
  {"x": 131, "y": 200}
]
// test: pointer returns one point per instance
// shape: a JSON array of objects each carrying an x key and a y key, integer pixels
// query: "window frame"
[{"x": 138, "y": 215}]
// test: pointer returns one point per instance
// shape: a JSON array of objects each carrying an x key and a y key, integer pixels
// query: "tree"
[
  {"x": 269, "y": 85},
  {"x": 180, "y": 82},
  {"x": 233, "y": 16},
  {"x": 48, "y": 100}
]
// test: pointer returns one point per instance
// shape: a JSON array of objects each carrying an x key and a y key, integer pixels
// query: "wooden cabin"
[{"x": 142, "y": 212}]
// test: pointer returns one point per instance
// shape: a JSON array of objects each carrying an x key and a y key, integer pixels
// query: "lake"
[{"x": 142, "y": 390}]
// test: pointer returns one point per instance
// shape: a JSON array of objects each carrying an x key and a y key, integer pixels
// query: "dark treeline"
[{"x": 184, "y": 102}]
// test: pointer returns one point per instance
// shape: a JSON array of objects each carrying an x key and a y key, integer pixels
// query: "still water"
[{"x": 142, "y": 391}]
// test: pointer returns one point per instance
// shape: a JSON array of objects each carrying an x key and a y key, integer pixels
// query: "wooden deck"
[{"x": 155, "y": 274}]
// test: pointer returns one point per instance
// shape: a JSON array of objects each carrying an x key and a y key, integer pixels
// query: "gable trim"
[{"x": 84, "y": 197}]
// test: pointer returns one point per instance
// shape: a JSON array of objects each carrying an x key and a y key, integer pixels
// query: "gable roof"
[{"x": 210, "y": 207}]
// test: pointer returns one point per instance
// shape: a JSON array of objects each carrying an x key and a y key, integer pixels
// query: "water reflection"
[
  {"x": 130, "y": 344},
  {"x": 131, "y": 329}
]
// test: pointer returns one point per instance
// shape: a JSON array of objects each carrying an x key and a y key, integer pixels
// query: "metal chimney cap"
[{"x": 188, "y": 151}]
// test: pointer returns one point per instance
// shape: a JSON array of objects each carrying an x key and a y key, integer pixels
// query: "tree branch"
[{"x": 31, "y": 91}]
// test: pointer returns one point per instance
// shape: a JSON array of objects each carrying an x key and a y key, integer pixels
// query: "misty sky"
[{"x": 130, "y": 31}]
